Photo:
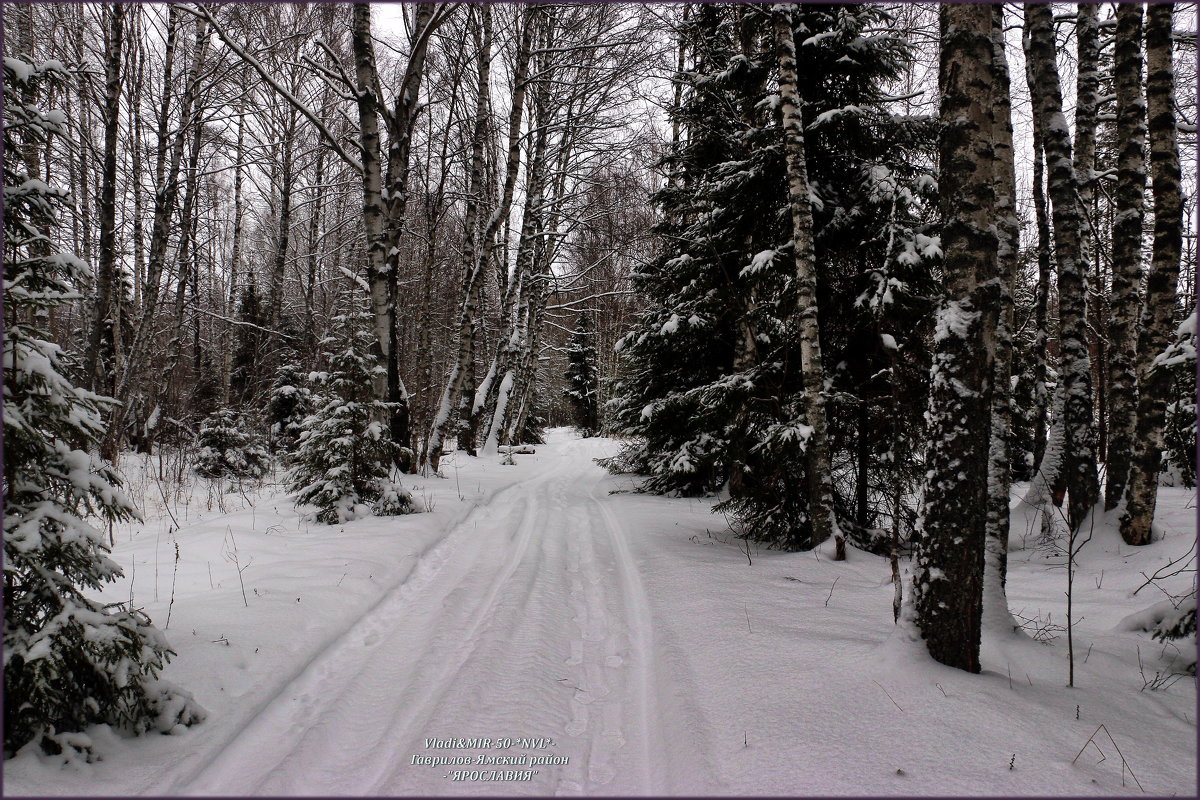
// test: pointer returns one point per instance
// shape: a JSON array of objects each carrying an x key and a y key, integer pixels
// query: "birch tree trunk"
[
  {"x": 1087, "y": 92},
  {"x": 99, "y": 366},
  {"x": 1154, "y": 383},
  {"x": 1124, "y": 301},
  {"x": 367, "y": 102},
  {"x": 235, "y": 260},
  {"x": 820, "y": 473},
  {"x": 401, "y": 123},
  {"x": 948, "y": 561},
  {"x": 514, "y": 338},
  {"x": 1041, "y": 304},
  {"x": 996, "y": 615},
  {"x": 1079, "y": 463},
  {"x": 472, "y": 245}
]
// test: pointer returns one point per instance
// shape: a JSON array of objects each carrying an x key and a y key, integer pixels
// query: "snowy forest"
[{"x": 600, "y": 399}]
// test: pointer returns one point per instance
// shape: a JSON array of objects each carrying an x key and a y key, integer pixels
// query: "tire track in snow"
[
  {"x": 591, "y": 699},
  {"x": 675, "y": 756},
  {"x": 241, "y": 758},
  {"x": 529, "y": 618},
  {"x": 492, "y": 680}
]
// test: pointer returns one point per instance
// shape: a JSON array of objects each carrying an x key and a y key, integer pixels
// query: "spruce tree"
[
  {"x": 291, "y": 402},
  {"x": 583, "y": 379},
  {"x": 229, "y": 450},
  {"x": 710, "y": 391},
  {"x": 533, "y": 424},
  {"x": 343, "y": 460},
  {"x": 250, "y": 340},
  {"x": 70, "y": 661}
]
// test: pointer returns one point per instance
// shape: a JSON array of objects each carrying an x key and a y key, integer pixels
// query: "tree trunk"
[
  {"x": 995, "y": 602},
  {"x": 400, "y": 128},
  {"x": 372, "y": 178},
  {"x": 1041, "y": 404},
  {"x": 284, "y": 235},
  {"x": 1157, "y": 324},
  {"x": 1087, "y": 93},
  {"x": 514, "y": 337},
  {"x": 820, "y": 473},
  {"x": 136, "y": 87},
  {"x": 235, "y": 260},
  {"x": 949, "y": 553},
  {"x": 473, "y": 247},
  {"x": 1124, "y": 301},
  {"x": 100, "y": 369},
  {"x": 1076, "y": 373}
]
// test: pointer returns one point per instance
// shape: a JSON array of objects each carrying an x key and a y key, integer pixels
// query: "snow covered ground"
[{"x": 625, "y": 644}]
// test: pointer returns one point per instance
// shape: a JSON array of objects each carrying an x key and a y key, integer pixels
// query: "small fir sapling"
[
  {"x": 1179, "y": 425},
  {"x": 70, "y": 662},
  {"x": 291, "y": 402},
  {"x": 343, "y": 459},
  {"x": 228, "y": 450},
  {"x": 582, "y": 391}
]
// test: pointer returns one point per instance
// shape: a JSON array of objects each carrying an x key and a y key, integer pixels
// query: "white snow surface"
[{"x": 533, "y": 602}]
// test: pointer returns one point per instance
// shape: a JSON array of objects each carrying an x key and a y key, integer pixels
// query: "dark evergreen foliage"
[
  {"x": 291, "y": 402},
  {"x": 69, "y": 660},
  {"x": 533, "y": 429},
  {"x": 249, "y": 345},
  {"x": 344, "y": 456},
  {"x": 229, "y": 450},
  {"x": 582, "y": 391},
  {"x": 710, "y": 385}
]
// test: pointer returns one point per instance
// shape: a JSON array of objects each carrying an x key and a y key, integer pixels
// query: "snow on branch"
[{"x": 204, "y": 14}]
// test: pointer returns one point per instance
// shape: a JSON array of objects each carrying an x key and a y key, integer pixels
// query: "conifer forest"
[{"x": 611, "y": 399}]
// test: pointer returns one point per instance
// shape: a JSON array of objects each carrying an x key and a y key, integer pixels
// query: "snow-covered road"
[
  {"x": 528, "y": 620},
  {"x": 637, "y": 645}
]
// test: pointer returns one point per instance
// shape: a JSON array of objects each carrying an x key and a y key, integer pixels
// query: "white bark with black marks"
[
  {"x": 1124, "y": 299},
  {"x": 1158, "y": 314},
  {"x": 948, "y": 560},
  {"x": 1079, "y": 464},
  {"x": 820, "y": 473}
]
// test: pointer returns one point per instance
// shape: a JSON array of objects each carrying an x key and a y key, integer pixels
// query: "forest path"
[{"x": 528, "y": 620}]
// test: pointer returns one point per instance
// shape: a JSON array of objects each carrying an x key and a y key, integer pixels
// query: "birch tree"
[
  {"x": 948, "y": 560},
  {"x": 820, "y": 474},
  {"x": 1078, "y": 424},
  {"x": 1158, "y": 313},
  {"x": 995, "y": 603},
  {"x": 1124, "y": 299}
]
